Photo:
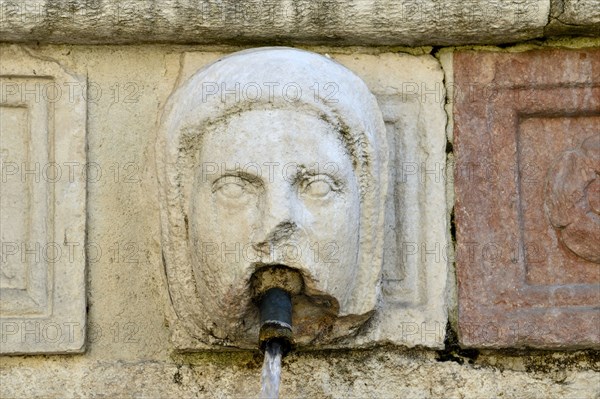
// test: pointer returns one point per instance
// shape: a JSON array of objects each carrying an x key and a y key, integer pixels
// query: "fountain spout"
[
  {"x": 276, "y": 320},
  {"x": 273, "y": 287}
]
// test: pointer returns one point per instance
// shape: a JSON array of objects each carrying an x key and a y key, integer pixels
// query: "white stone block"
[
  {"x": 42, "y": 223},
  {"x": 411, "y": 95},
  {"x": 574, "y": 17}
]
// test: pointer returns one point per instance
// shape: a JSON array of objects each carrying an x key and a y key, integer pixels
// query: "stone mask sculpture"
[{"x": 272, "y": 157}]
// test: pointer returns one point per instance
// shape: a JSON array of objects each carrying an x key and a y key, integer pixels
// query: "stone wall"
[
  {"x": 336, "y": 22},
  {"x": 460, "y": 341}
]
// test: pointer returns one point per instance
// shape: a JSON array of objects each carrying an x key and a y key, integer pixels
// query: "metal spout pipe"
[{"x": 276, "y": 319}]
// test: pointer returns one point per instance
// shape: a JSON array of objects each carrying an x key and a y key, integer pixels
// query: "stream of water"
[{"x": 271, "y": 371}]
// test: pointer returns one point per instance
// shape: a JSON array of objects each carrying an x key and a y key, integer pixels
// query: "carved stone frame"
[{"x": 49, "y": 314}]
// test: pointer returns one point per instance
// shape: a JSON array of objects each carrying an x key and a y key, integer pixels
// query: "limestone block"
[
  {"x": 377, "y": 373},
  {"x": 355, "y": 22},
  {"x": 42, "y": 227},
  {"x": 527, "y": 198},
  {"x": 411, "y": 306},
  {"x": 574, "y": 17},
  {"x": 411, "y": 95}
]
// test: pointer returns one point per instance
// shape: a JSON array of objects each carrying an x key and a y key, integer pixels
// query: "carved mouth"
[
  {"x": 315, "y": 314},
  {"x": 291, "y": 280},
  {"x": 268, "y": 276}
]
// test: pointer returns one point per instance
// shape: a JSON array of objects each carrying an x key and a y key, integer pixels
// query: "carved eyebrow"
[
  {"x": 249, "y": 177},
  {"x": 302, "y": 173}
]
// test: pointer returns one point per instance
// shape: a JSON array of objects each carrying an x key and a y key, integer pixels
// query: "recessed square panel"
[
  {"x": 15, "y": 195},
  {"x": 24, "y": 268},
  {"x": 550, "y": 261}
]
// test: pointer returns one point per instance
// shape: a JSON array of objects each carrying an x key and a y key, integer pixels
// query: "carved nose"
[
  {"x": 283, "y": 231},
  {"x": 278, "y": 222}
]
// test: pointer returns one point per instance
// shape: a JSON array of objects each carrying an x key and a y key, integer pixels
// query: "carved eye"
[
  {"x": 318, "y": 186},
  {"x": 232, "y": 190},
  {"x": 233, "y": 187}
]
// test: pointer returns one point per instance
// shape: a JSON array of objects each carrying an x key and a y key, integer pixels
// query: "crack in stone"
[{"x": 557, "y": 9}]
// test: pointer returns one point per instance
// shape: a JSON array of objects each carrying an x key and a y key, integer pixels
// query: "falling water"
[{"x": 271, "y": 371}]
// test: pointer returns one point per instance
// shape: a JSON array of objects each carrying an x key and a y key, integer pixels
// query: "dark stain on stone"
[{"x": 452, "y": 351}]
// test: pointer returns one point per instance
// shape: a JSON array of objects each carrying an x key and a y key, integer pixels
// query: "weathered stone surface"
[
  {"x": 574, "y": 17},
  {"x": 412, "y": 308},
  {"x": 389, "y": 22},
  {"x": 527, "y": 217},
  {"x": 127, "y": 290},
  {"x": 381, "y": 373},
  {"x": 129, "y": 352},
  {"x": 42, "y": 224},
  {"x": 572, "y": 198},
  {"x": 411, "y": 95}
]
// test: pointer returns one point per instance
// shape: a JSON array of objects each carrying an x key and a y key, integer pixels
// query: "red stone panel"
[{"x": 527, "y": 184}]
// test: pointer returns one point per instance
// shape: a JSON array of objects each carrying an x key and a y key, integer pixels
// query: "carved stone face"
[
  {"x": 273, "y": 187},
  {"x": 251, "y": 187}
]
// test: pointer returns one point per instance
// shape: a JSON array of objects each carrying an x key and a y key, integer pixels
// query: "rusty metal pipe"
[{"x": 276, "y": 319}]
